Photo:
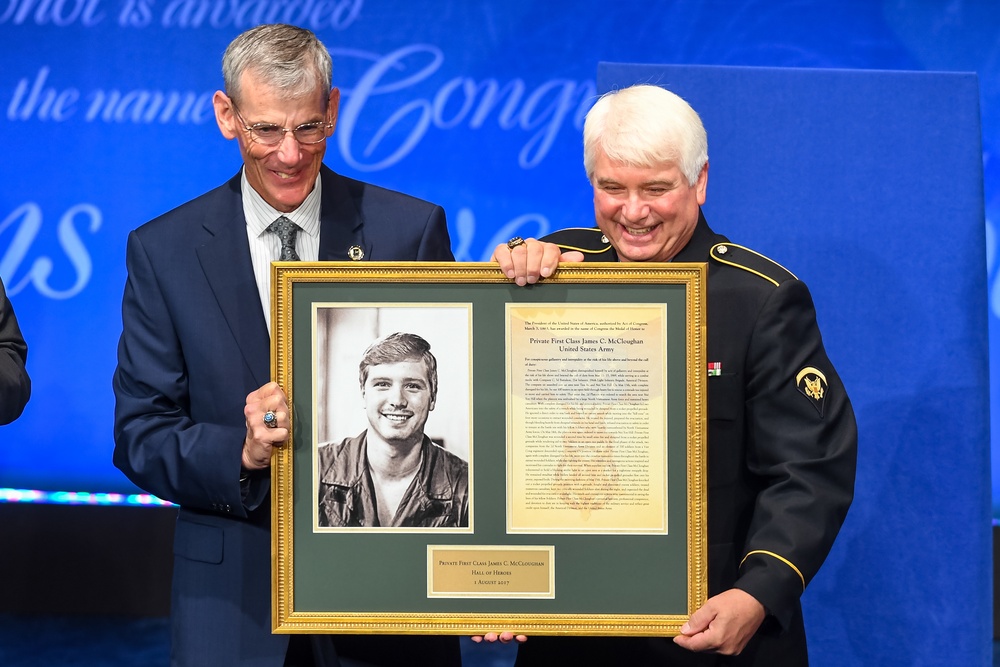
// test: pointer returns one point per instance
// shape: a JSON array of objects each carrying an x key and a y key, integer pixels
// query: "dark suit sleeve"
[
  {"x": 15, "y": 385},
  {"x": 157, "y": 443},
  {"x": 804, "y": 450},
  {"x": 435, "y": 244}
]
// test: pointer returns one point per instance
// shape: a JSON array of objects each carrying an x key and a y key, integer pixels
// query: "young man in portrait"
[{"x": 392, "y": 475}]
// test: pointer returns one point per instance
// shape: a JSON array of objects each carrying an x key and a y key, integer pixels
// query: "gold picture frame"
[{"x": 582, "y": 400}]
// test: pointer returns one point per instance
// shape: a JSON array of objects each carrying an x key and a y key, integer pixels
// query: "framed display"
[{"x": 468, "y": 456}]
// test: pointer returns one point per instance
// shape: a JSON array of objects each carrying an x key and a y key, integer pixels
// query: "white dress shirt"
[{"x": 265, "y": 247}]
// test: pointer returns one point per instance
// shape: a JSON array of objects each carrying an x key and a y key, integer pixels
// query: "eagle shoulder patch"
[{"x": 812, "y": 384}]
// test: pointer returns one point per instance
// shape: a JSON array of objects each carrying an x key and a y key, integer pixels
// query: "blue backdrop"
[
  {"x": 478, "y": 106},
  {"x": 827, "y": 170}
]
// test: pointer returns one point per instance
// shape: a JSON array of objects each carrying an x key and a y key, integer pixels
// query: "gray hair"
[
  {"x": 283, "y": 57},
  {"x": 643, "y": 126},
  {"x": 399, "y": 347}
]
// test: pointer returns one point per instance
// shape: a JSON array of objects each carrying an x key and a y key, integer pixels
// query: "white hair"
[{"x": 643, "y": 126}]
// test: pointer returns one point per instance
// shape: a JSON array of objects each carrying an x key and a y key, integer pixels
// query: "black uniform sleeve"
[{"x": 802, "y": 444}]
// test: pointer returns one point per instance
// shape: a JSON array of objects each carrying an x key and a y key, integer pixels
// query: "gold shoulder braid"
[
  {"x": 752, "y": 261},
  {"x": 588, "y": 240}
]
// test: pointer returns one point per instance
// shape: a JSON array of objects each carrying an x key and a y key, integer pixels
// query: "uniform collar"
[{"x": 698, "y": 248}]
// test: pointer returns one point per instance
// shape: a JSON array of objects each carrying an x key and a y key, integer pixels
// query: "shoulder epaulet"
[
  {"x": 752, "y": 261},
  {"x": 588, "y": 240}
]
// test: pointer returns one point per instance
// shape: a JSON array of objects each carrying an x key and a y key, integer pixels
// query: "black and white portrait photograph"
[{"x": 392, "y": 417}]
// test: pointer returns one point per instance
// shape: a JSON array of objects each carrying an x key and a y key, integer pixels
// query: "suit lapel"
[
  {"x": 341, "y": 222},
  {"x": 225, "y": 258},
  {"x": 230, "y": 274}
]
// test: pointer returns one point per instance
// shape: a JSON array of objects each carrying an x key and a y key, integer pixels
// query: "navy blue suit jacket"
[{"x": 194, "y": 344}]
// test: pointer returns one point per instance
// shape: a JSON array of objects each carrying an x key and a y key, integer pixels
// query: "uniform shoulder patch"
[
  {"x": 751, "y": 261},
  {"x": 588, "y": 240},
  {"x": 811, "y": 383}
]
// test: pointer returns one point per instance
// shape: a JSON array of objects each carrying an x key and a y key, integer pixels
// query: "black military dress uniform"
[{"x": 782, "y": 450}]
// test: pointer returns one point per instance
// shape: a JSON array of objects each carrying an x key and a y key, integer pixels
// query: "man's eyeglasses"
[{"x": 270, "y": 134}]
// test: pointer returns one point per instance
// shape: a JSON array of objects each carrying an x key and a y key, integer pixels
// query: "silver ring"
[
  {"x": 270, "y": 419},
  {"x": 514, "y": 242}
]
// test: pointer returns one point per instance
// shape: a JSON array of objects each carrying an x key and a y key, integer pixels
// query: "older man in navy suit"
[{"x": 196, "y": 417}]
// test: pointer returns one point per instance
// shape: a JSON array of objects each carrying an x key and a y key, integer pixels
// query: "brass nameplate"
[{"x": 490, "y": 572}]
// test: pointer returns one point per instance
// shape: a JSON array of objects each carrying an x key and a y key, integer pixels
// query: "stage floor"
[{"x": 108, "y": 641}]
